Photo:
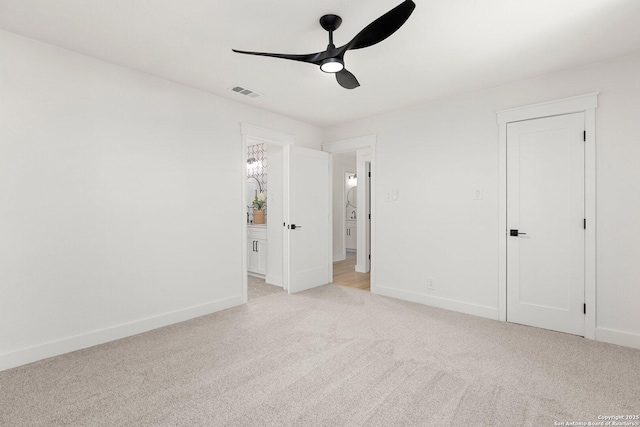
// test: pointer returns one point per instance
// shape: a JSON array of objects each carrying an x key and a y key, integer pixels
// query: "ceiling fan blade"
[
  {"x": 313, "y": 58},
  {"x": 346, "y": 79},
  {"x": 383, "y": 27}
]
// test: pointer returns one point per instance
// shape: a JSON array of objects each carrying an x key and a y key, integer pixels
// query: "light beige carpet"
[
  {"x": 330, "y": 356},
  {"x": 258, "y": 288}
]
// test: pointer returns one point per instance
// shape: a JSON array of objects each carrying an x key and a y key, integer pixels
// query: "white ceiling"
[{"x": 445, "y": 48}]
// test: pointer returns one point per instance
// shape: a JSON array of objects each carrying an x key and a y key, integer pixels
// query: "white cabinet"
[
  {"x": 352, "y": 235},
  {"x": 257, "y": 249}
]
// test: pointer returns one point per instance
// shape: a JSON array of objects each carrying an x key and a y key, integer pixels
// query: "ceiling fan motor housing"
[{"x": 330, "y": 22}]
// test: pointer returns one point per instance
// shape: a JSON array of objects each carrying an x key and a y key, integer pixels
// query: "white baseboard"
[
  {"x": 361, "y": 268},
  {"x": 90, "y": 339},
  {"x": 610, "y": 336},
  {"x": 447, "y": 304},
  {"x": 617, "y": 337},
  {"x": 339, "y": 257},
  {"x": 274, "y": 280}
]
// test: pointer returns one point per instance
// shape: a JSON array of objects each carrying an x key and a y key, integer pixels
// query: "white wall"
[
  {"x": 120, "y": 200},
  {"x": 341, "y": 163},
  {"x": 437, "y": 154}
]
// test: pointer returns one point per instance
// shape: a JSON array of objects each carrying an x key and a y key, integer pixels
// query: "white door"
[
  {"x": 306, "y": 218},
  {"x": 545, "y": 223}
]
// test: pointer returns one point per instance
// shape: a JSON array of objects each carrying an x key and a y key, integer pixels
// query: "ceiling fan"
[{"x": 332, "y": 59}]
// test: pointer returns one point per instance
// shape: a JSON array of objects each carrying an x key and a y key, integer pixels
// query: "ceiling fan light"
[{"x": 332, "y": 65}]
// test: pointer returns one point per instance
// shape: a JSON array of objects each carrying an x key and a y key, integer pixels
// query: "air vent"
[{"x": 246, "y": 92}]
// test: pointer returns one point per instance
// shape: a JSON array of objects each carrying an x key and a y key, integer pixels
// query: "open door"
[{"x": 307, "y": 255}]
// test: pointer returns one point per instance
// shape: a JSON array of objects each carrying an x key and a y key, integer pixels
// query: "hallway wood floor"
[{"x": 344, "y": 274}]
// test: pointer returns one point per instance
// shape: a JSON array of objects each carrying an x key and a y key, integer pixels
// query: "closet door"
[{"x": 545, "y": 223}]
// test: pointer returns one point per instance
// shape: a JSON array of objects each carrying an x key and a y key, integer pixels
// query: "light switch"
[
  {"x": 394, "y": 194},
  {"x": 477, "y": 194}
]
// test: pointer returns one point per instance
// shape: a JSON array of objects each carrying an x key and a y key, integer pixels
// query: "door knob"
[
  {"x": 515, "y": 233},
  {"x": 293, "y": 226}
]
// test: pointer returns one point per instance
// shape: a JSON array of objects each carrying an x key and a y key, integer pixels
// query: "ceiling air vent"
[{"x": 246, "y": 92}]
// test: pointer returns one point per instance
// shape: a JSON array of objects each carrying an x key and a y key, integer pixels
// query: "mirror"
[
  {"x": 253, "y": 189},
  {"x": 352, "y": 197}
]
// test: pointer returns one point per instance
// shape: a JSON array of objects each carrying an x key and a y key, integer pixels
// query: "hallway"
[{"x": 344, "y": 274}]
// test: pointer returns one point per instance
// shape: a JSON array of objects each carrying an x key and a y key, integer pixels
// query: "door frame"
[
  {"x": 584, "y": 103},
  {"x": 363, "y": 263},
  {"x": 355, "y": 144},
  {"x": 261, "y": 135}
]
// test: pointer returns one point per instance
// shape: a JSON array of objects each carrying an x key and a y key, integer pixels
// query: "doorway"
[
  {"x": 263, "y": 214},
  {"x": 262, "y": 264},
  {"x": 517, "y": 251},
  {"x": 297, "y": 258},
  {"x": 348, "y": 215},
  {"x": 352, "y": 219}
]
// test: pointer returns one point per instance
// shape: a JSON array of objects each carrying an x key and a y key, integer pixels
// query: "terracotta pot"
[{"x": 258, "y": 217}]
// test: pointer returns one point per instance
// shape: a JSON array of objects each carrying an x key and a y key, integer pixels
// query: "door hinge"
[
  {"x": 584, "y": 135},
  {"x": 369, "y": 174},
  {"x": 369, "y": 216},
  {"x": 584, "y": 224},
  {"x": 369, "y": 256},
  {"x": 584, "y": 308}
]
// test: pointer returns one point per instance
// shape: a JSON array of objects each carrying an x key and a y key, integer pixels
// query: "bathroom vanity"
[
  {"x": 257, "y": 249},
  {"x": 352, "y": 236}
]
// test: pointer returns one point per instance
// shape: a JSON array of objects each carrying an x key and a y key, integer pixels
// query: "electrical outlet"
[{"x": 431, "y": 283}]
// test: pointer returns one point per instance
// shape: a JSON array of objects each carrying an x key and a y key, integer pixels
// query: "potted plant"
[{"x": 259, "y": 203}]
